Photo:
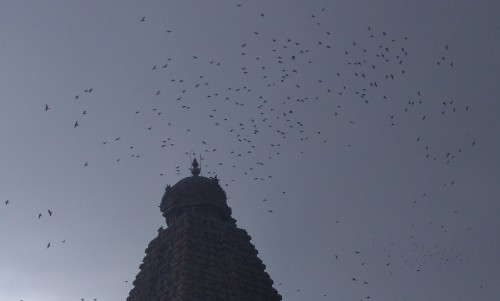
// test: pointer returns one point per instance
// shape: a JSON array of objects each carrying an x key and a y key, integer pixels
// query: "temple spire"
[
  {"x": 195, "y": 169},
  {"x": 202, "y": 254}
]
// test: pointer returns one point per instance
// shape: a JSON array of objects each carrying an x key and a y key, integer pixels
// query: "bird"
[
  {"x": 39, "y": 215},
  {"x": 50, "y": 212},
  {"x": 7, "y": 202},
  {"x": 75, "y": 125},
  {"x": 48, "y": 246},
  {"x": 46, "y": 107},
  {"x": 142, "y": 20}
]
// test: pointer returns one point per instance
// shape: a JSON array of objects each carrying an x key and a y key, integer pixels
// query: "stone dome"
[{"x": 195, "y": 194}]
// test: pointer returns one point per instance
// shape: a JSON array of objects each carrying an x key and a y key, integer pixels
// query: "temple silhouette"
[{"x": 202, "y": 255}]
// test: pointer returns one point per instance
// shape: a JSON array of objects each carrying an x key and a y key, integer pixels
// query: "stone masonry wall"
[{"x": 198, "y": 259}]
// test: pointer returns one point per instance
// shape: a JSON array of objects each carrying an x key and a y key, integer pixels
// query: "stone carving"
[{"x": 202, "y": 255}]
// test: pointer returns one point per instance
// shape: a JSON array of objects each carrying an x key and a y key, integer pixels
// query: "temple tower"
[{"x": 202, "y": 255}]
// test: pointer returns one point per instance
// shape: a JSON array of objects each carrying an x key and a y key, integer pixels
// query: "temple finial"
[{"x": 195, "y": 169}]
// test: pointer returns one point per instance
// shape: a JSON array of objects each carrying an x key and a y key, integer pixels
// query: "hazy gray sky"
[{"x": 370, "y": 129}]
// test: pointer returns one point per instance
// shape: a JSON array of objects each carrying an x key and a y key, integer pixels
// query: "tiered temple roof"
[{"x": 202, "y": 255}]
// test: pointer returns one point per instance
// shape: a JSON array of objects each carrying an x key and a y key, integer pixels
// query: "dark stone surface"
[{"x": 202, "y": 255}]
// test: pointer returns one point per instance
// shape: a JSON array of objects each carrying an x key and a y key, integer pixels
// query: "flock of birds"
[
  {"x": 267, "y": 116},
  {"x": 371, "y": 68},
  {"x": 7, "y": 202}
]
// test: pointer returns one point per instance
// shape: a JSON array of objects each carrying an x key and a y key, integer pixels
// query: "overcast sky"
[{"x": 358, "y": 141}]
